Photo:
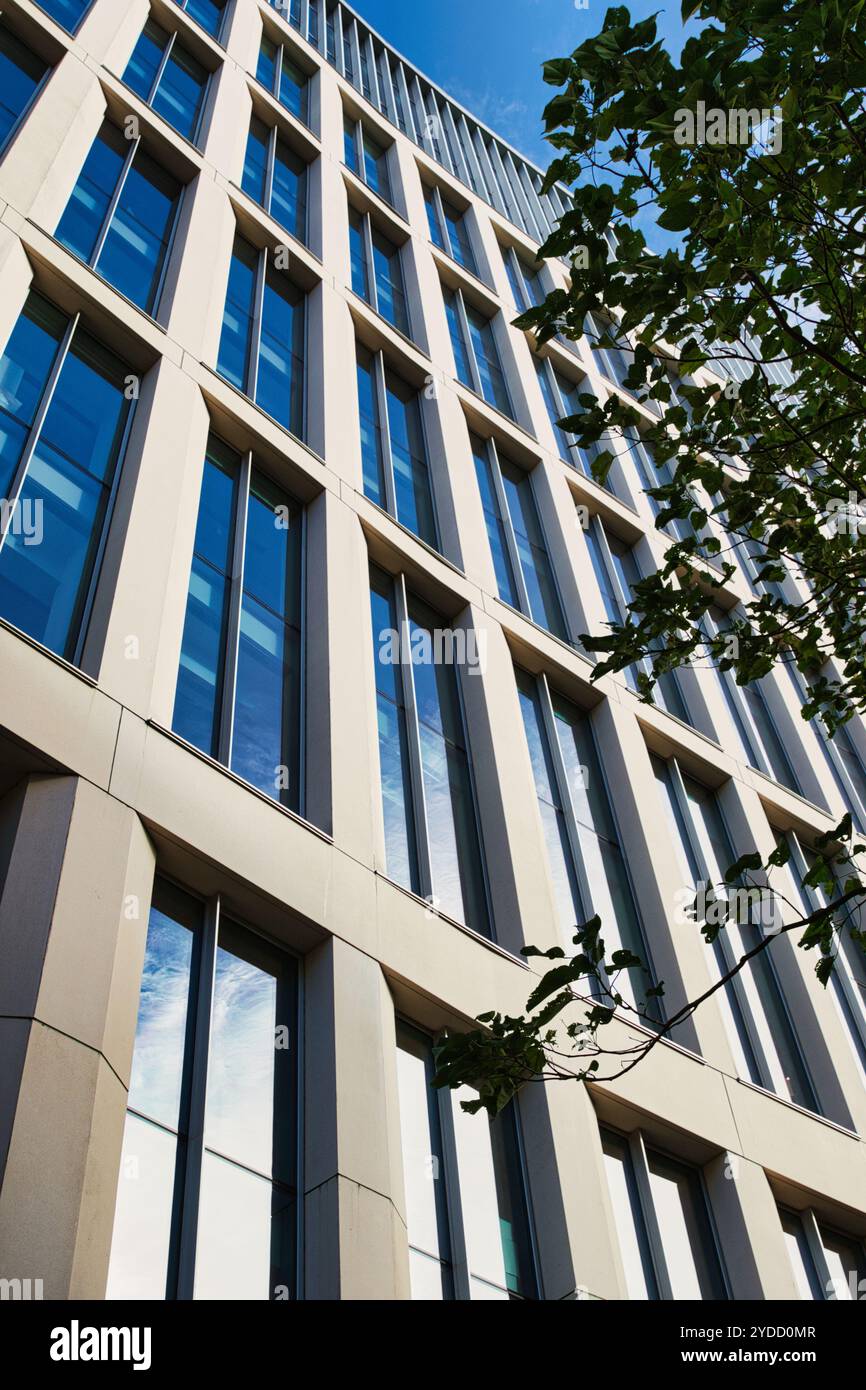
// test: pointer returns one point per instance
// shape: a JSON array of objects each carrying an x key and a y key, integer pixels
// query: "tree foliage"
[{"x": 765, "y": 283}]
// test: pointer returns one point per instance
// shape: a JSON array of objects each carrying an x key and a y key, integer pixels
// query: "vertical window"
[
  {"x": 377, "y": 273},
  {"x": 848, "y": 981},
  {"x": 750, "y": 712},
  {"x": 612, "y": 351},
  {"x": 523, "y": 569},
  {"x": 207, "y": 13},
  {"x": 826, "y": 1263},
  {"x": 67, "y": 13},
  {"x": 367, "y": 158},
  {"x": 168, "y": 79},
  {"x": 121, "y": 216},
  {"x": 262, "y": 344},
  {"x": 206, "y": 1203},
  {"x": 393, "y": 448},
  {"x": 65, "y": 416},
  {"x": 763, "y": 1040},
  {"x": 448, "y": 230},
  {"x": 475, "y": 354},
  {"x": 525, "y": 281},
  {"x": 841, "y": 754},
  {"x": 663, "y": 1223},
  {"x": 432, "y": 839},
  {"x": 276, "y": 177},
  {"x": 652, "y": 475},
  {"x": 239, "y": 685},
  {"x": 560, "y": 396},
  {"x": 467, "y": 1208},
  {"x": 586, "y": 862},
  {"x": 616, "y": 569},
  {"x": 277, "y": 71},
  {"x": 21, "y": 76}
]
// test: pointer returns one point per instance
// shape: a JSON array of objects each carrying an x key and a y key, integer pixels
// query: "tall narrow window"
[
  {"x": 848, "y": 981},
  {"x": 276, "y": 177},
  {"x": 432, "y": 839},
  {"x": 67, "y": 13},
  {"x": 525, "y": 281},
  {"x": 840, "y": 752},
  {"x": 652, "y": 475},
  {"x": 278, "y": 71},
  {"x": 663, "y": 1222},
  {"x": 826, "y": 1263},
  {"x": 393, "y": 448},
  {"x": 616, "y": 569},
  {"x": 560, "y": 396},
  {"x": 377, "y": 272},
  {"x": 207, "y": 1203},
  {"x": 750, "y": 712},
  {"x": 239, "y": 686},
  {"x": 586, "y": 863},
  {"x": 207, "y": 13},
  {"x": 121, "y": 216},
  {"x": 262, "y": 344},
  {"x": 467, "y": 1208},
  {"x": 476, "y": 357},
  {"x": 449, "y": 231},
  {"x": 367, "y": 158},
  {"x": 762, "y": 1036},
  {"x": 166, "y": 76},
  {"x": 22, "y": 74},
  {"x": 523, "y": 569},
  {"x": 65, "y": 412}
]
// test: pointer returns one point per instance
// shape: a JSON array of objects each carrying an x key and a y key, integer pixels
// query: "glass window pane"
[
  {"x": 400, "y": 851},
  {"x": 141, "y": 1243},
  {"x": 24, "y": 371},
  {"x": 689, "y": 1245},
  {"x": 181, "y": 90},
  {"x": 137, "y": 243},
  {"x": 88, "y": 205},
  {"x": 494, "y": 523},
  {"x": 236, "y": 340},
  {"x": 44, "y": 585},
  {"x": 544, "y": 605},
  {"x": 372, "y": 457},
  {"x": 289, "y": 192},
  {"x": 254, "y": 178},
  {"x": 846, "y": 1262},
  {"x": 634, "y": 1244},
  {"x": 802, "y": 1264},
  {"x": 207, "y": 13},
  {"x": 493, "y": 386},
  {"x": 458, "y": 342},
  {"x": 280, "y": 383},
  {"x": 141, "y": 70},
  {"x": 423, "y": 1169},
  {"x": 409, "y": 457},
  {"x": 246, "y": 1235},
  {"x": 358, "y": 256},
  {"x": 67, "y": 13}
]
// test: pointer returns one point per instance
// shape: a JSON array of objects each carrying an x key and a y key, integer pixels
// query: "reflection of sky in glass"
[
  {"x": 157, "y": 1068},
  {"x": 233, "y": 1255},
  {"x": 142, "y": 1222},
  {"x": 240, "y": 1094}
]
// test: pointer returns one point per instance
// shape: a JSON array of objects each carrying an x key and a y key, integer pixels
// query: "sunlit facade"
[{"x": 298, "y": 742}]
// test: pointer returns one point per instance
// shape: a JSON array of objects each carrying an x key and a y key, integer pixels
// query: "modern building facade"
[{"x": 298, "y": 747}]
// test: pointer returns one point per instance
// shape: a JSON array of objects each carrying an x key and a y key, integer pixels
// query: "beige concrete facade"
[{"x": 98, "y": 794}]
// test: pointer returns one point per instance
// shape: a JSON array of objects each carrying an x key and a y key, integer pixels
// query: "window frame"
[
  {"x": 275, "y": 135},
  {"x": 359, "y": 170},
  {"x": 217, "y": 37},
  {"x": 197, "y": 1047},
  {"x": 813, "y": 1230},
  {"x": 193, "y": 137},
  {"x": 415, "y": 756},
  {"x": 370, "y": 270},
  {"x": 638, "y": 1151},
  {"x": 134, "y": 146},
  {"x": 253, "y": 361},
  {"x": 477, "y": 386},
  {"x": 282, "y": 48},
  {"x": 5, "y": 145},
  {"x": 743, "y": 985},
  {"x": 505, "y": 517},
  {"x": 19, "y": 477},
  {"x": 72, "y": 32},
  {"x": 380, "y": 366},
  {"x": 447, "y": 246},
  {"x": 233, "y": 621},
  {"x": 444, "y": 1100}
]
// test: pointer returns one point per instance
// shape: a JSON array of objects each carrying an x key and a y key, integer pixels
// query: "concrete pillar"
[
  {"x": 356, "y": 1244},
  {"x": 73, "y": 915}
]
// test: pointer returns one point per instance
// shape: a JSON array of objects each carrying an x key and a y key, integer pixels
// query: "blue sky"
[{"x": 488, "y": 53}]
